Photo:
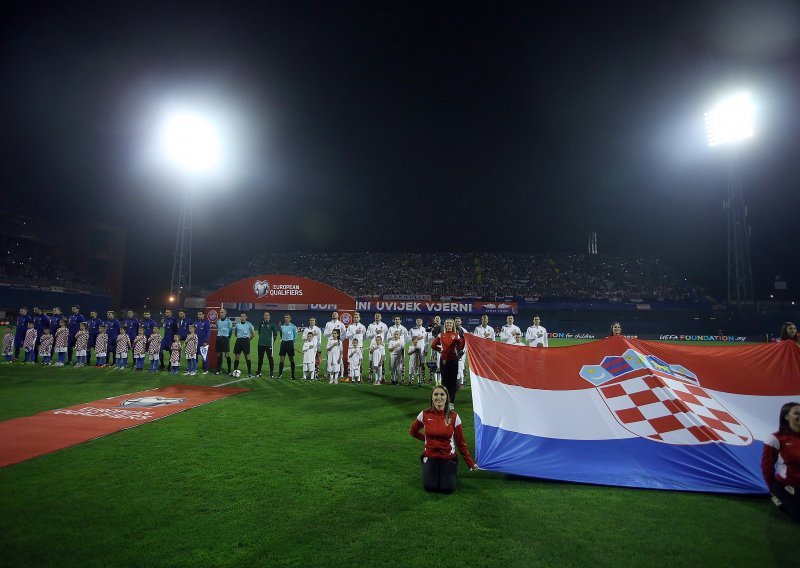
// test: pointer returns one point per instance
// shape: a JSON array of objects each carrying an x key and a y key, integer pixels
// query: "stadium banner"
[
  {"x": 631, "y": 413},
  {"x": 437, "y": 307},
  {"x": 25, "y": 438},
  {"x": 663, "y": 337}
]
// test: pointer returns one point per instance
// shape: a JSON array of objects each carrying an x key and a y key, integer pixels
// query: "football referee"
[
  {"x": 223, "y": 344},
  {"x": 288, "y": 333},
  {"x": 267, "y": 334},
  {"x": 243, "y": 331}
]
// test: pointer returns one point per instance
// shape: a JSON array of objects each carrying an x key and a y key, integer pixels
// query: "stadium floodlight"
[
  {"x": 730, "y": 121},
  {"x": 191, "y": 142}
]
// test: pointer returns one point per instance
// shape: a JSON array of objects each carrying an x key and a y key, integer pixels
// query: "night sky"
[{"x": 411, "y": 126}]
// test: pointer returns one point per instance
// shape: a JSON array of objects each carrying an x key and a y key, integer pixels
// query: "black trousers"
[
  {"x": 439, "y": 476},
  {"x": 268, "y": 350},
  {"x": 450, "y": 378},
  {"x": 790, "y": 503}
]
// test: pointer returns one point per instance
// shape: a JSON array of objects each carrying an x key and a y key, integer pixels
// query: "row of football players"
[
  {"x": 113, "y": 330},
  {"x": 395, "y": 338},
  {"x": 49, "y": 344}
]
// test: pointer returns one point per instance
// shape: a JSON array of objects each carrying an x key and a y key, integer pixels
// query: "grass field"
[{"x": 295, "y": 474}]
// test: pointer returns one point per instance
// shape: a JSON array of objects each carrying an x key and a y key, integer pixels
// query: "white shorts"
[{"x": 81, "y": 353}]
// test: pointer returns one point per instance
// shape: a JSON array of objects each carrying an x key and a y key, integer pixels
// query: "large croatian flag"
[{"x": 631, "y": 413}]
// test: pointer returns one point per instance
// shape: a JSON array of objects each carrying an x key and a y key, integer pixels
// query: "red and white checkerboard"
[{"x": 672, "y": 411}]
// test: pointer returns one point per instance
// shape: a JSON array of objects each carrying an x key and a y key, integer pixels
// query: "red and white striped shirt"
[
  {"x": 191, "y": 346},
  {"x": 123, "y": 344},
  {"x": 101, "y": 343},
  {"x": 30, "y": 339},
  {"x": 62, "y": 337},
  {"x": 139, "y": 346},
  {"x": 154, "y": 344},
  {"x": 81, "y": 340},
  {"x": 46, "y": 345}
]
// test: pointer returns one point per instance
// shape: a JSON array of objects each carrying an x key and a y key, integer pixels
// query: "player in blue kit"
[
  {"x": 203, "y": 334},
  {"x": 40, "y": 322},
  {"x": 74, "y": 325},
  {"x": 147, "y": 323},
  {"x": 112, "y": 330},
  {"x": 22, "y": 327},
  {"x": 93, "y": 328},
  {"x": 132, "y": 325},
  {"x": 55, "y": 320},
  {"x": 170, "y": 327},
  {"x": 183, "y": 324}
]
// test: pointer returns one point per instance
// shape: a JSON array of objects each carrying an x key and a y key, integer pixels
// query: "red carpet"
[{"x": 25, "y": 438}]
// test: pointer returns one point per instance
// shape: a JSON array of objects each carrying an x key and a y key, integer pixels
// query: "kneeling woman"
[
  {"x": 443, "y": 433},
  {"x": 780, "y": 463}
]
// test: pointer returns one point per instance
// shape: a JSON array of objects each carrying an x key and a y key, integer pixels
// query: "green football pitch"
[{"x": 311, "y": 474}]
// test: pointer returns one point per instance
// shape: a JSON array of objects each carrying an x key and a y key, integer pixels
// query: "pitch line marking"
[{"x": 235, "y": 381}]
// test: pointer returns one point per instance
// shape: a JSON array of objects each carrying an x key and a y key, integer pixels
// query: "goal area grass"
[{"x": 312, "y": 474}]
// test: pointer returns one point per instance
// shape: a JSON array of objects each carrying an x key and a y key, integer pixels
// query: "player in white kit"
[
  {"x": 536, "y": 334},
  {"x": 508, "y": 330}
]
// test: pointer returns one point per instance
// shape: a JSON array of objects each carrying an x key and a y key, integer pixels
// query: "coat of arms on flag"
[{"x": 663, "y": 402}]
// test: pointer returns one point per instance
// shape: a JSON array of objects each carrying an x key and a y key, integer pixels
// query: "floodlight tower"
[
  {"x": 729, "y": 124},
  {"x": 191, "y": 144}
]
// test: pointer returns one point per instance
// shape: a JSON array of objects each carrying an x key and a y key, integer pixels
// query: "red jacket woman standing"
[{"x": 450, "y": 345}]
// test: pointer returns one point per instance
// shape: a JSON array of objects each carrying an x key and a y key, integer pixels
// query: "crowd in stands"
[
  {"x": 481, "y": 275},
  {"x": 29, "y": 261}
]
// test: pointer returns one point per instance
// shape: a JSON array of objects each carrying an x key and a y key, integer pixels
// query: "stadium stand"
[
  {"x": 36, "y": 269},
  {"x": 560, "y": 276}
]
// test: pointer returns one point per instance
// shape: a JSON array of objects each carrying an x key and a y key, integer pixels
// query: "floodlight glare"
[
  {"x": 191, "y": 142},
  {"x": 730, "y": 121}
]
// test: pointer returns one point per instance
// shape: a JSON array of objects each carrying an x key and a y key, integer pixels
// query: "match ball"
[{"x": 237, "y": 373}]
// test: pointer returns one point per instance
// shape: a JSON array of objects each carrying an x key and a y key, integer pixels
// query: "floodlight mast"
[
  {"x": 728, "y": 124},
  {"x": 192, "y": 146},
  {"x": 182, "y": 258}
]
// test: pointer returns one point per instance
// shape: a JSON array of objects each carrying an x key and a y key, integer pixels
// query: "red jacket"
[
  {"x": 448, "y": 342},
  {"x": 781, "y": 459},
  {"x": 441, "y": 440}
]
